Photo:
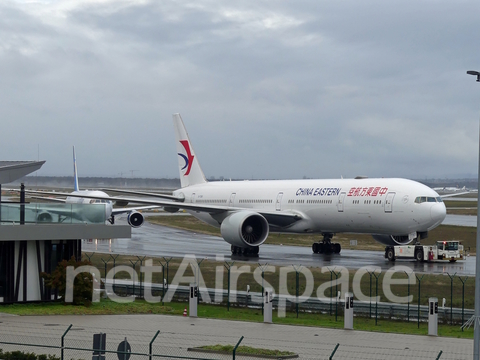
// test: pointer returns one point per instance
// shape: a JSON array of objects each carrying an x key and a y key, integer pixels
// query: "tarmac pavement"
[{"x": 177, "y": 334}]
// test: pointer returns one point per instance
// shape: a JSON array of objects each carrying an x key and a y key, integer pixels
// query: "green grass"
[
  {"x": 436, "y": 285},
  {"x": 108, "y": 307},
  {"x": 459, "y": 204},
  {"x": 246, "y": 350},
  {"x": 105, "y": 307}
]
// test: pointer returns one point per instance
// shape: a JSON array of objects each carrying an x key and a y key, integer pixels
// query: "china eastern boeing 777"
[{"x": 394, "y": 211}]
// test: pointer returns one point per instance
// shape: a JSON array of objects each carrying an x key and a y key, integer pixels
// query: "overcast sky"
[{"x": 266, "y": 89}]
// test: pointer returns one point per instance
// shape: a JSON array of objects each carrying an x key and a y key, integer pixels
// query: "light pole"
[{"x": 476, "y": 326}]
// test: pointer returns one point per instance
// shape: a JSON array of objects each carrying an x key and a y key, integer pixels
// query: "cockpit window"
[{"x": 422, "y": 199}]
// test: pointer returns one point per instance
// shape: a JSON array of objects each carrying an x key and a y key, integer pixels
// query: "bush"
[
  {"x": 82, "y": 285},
  {"x": 20, "y": 355}
]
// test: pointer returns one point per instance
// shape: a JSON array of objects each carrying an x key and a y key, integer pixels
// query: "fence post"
[
  {"x": 114, "y": 272},
  {"x": 418, "y": 311},
  {"x": 451, "y": 296},
  {"x": 370, "y": 273},
  {"x": 150, "y": 346},
  {"x": 142, "y": 287},
  {"x": 263, "y": 267},
  {"x": 334, "y": 351},
  {"x": 336, "y": 295},
  {"x": 370, "y": 315},
  {"x": 134, "y": 266},
  {"x": 408, "y": 296},
  {"x": 89, "y": 256},
  {"x": 463, "y": 298},
  {"x": 197, "y": 277},
  {"x": 63, "y": 340},
  {"x": 331, "y": 289},
  {"x": 105, "y": 268},
  {"x": 376, "y": 296},
  {"x": 297, "y": 285},
  {"x": 228, "y": 265},
  {"x": 166, "y": 262},
  {"x": 236, "y": 346}
]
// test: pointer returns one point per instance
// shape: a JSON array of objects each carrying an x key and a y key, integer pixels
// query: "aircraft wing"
[
  {"x": 274, "y": 218},
  {"x": 454, "y": 194},
  {"x": 142, "y": 193},
  {"x": 119, "y": 211},
  {"x": 49, "y": 198}
]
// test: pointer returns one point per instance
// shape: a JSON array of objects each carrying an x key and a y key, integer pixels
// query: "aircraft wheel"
[
  {"x": 321, "y": 248},
  {"x": 327, "y": 248},
  {"x": 315, "y": 248},
  {"x": 337, "y": 248}
]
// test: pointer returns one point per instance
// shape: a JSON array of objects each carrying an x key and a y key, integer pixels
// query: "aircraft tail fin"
[
  {"x": 190, "y": 171},
  {"x": 75, "y": 176}
]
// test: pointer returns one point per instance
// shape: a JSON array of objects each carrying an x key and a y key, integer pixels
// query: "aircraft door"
[
  {"x": 341, "y": 200},
  {"x": 193, "y": 198},
  {"x": 389, "y": 202},
  {"x": 232, "y": 199},
  {"x": 278, "y": 202}
]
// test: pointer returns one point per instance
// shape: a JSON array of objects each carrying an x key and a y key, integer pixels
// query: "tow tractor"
[{"x": 450, "y": 250}]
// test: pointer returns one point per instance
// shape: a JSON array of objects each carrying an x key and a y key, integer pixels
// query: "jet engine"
[
  {"x": 135, "y": 219},
  {"x": 244, "y": 229},
  {"x": 44, "y": 217},
  {"x": 392, "y": 239}
]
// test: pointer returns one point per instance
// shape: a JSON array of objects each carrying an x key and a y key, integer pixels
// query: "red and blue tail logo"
[{"x": 188, "y": 158}]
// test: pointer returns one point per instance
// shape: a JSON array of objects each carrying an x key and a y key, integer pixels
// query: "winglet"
[
  {"x": 190, "y": 171},
  {"x": 75, "y": 177}
]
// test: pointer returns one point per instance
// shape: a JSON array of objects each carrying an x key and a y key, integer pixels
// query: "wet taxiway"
[{"x": 160, "y": 241}]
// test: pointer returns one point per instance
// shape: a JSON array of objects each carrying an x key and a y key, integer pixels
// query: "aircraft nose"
[{"x": 438, "y": 212}]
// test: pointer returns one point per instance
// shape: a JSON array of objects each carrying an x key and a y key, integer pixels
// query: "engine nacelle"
[
  {"x": 135, "y": 219},
  {"x": 245, "y": 229},
  {"x": 44, "y": 217},
  {"x": 393, "y": 239}
]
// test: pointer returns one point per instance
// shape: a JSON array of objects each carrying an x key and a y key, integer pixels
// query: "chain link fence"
[{"x": 77, "y": 343}]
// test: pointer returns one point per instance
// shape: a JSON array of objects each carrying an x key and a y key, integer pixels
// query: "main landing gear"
[
  {"x": 251, "y": 251},
  {"x": 326, "y": 246}
]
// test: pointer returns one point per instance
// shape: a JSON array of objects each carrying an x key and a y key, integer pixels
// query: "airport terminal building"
[{"x": 34, "y": 238}]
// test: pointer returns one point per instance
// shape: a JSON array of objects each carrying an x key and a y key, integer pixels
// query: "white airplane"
[
  {"x": 93, "y": 214},
  {"x": 394, "y": 211},
  {"x": 450, "y": 189}
]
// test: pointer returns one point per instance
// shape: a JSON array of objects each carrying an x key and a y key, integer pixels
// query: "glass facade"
[{"x": 35, "y": 213}]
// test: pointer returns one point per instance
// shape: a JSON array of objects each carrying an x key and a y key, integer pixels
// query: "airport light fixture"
[{"x": 476, "y": 334}]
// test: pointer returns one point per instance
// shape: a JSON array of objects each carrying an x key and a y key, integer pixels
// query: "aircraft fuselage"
[{"x": 373, "y": 206}]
